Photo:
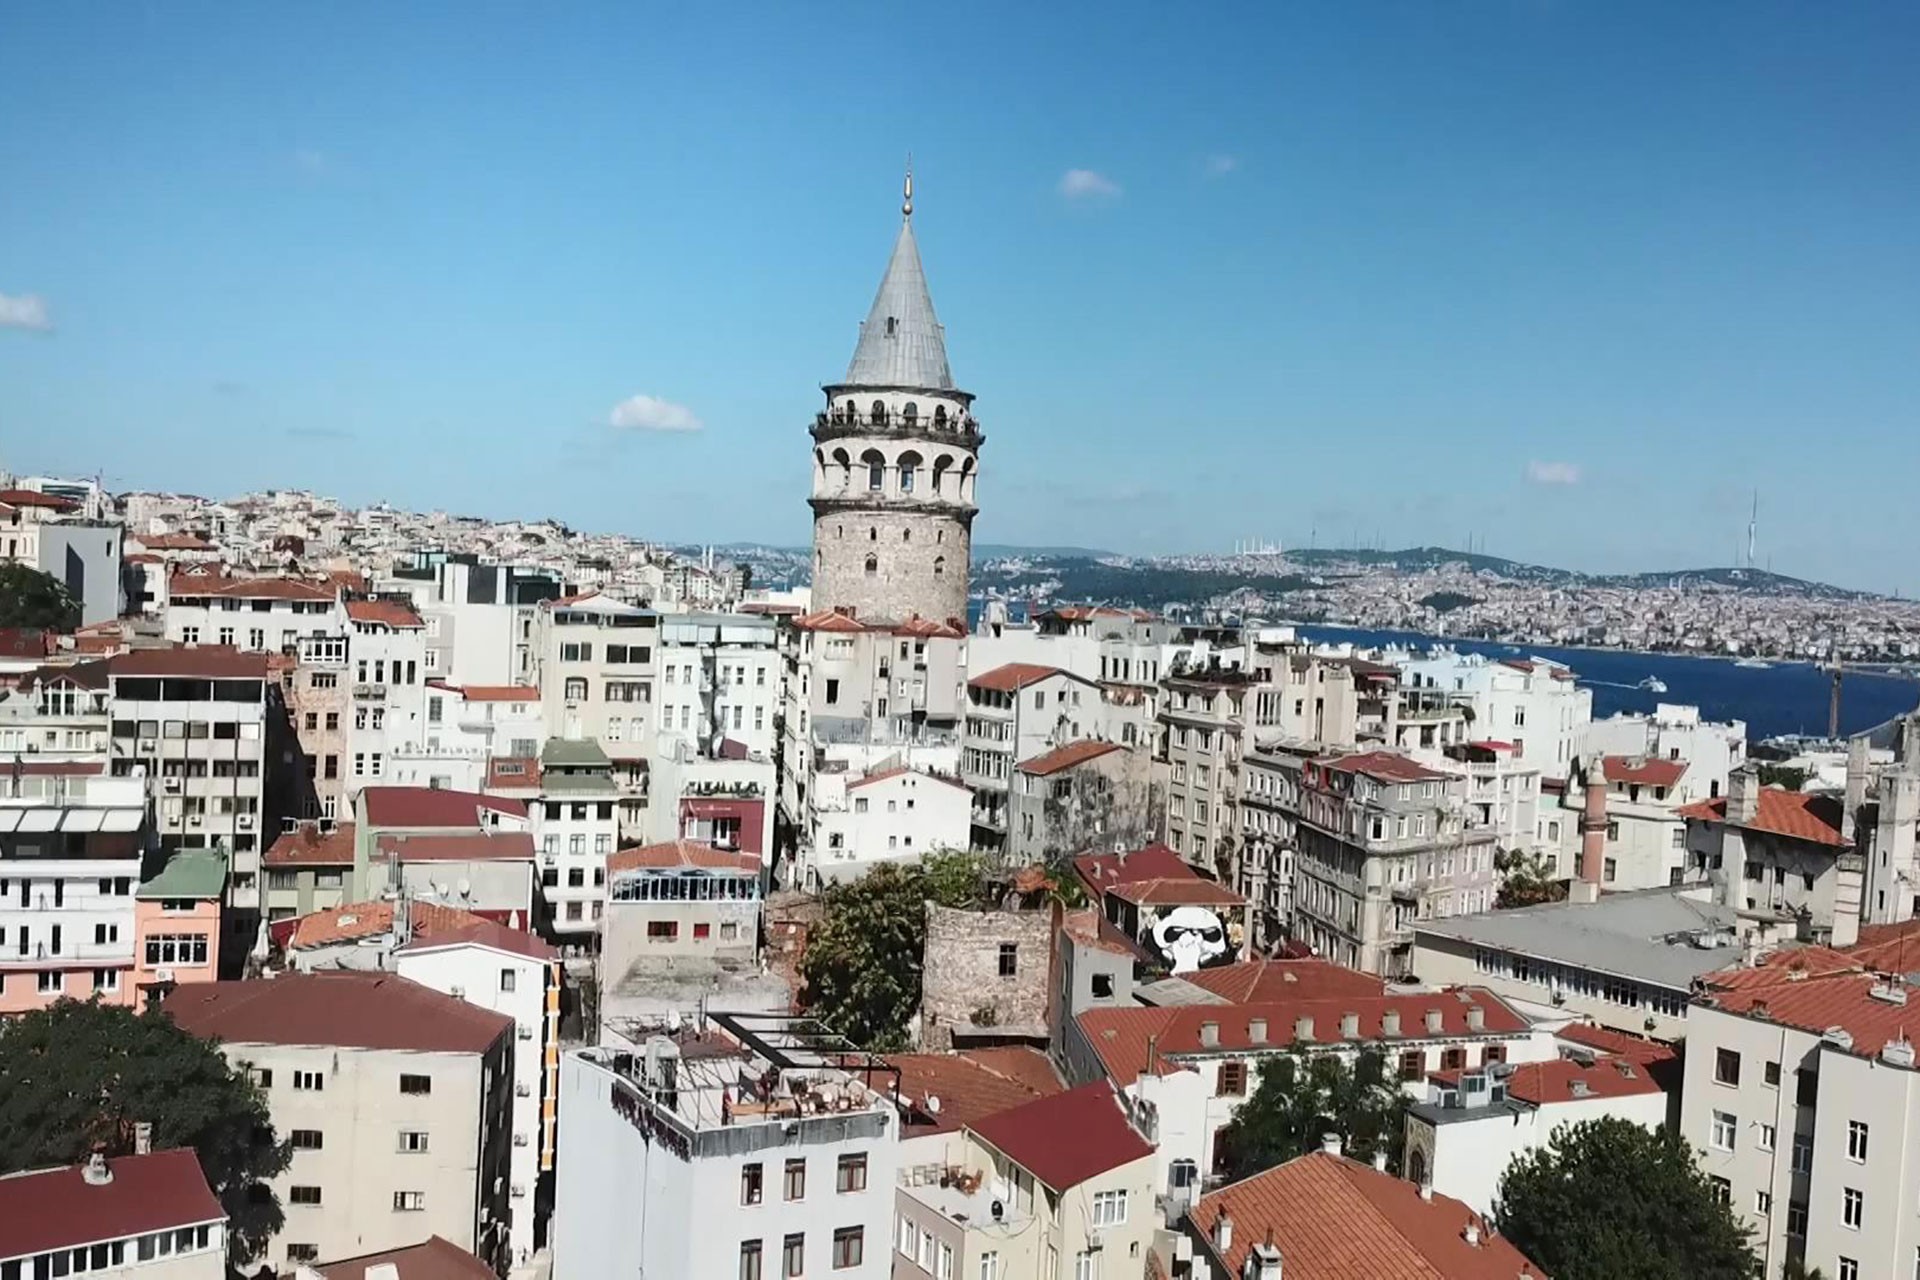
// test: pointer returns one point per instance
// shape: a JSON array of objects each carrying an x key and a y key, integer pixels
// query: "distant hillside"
[{"x": 1008, "y": 551}]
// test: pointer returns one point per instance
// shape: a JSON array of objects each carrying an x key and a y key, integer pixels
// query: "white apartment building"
[
  {"x": 55, "y": 713},
  {"x": 671, "y": 1167},
  {"x": 387, "y": 649},
  {"x": 1203, "y": 730},
  {"x": 594, "y": 662},
  {"x": 575, "y": 827},
  {"x": 1801, "y": 1098},
  {"x": 466, "y": 726},
  {"x": 1016, "y": 712},
  {"x": 894, "y": 815},
  {"x": 146, "y": 1216},
  {"x": 719, "y": 679},
  {"x": 1532, "y": 704},
  {"x": 479, "y": 617},
  {"x": 197, "y": 723},
  {"x": 1645, "y": 843},
  {"x": 397, "y": 1101},
  {"x": 1711, "y": 749},
  {"x": 513, "y": 973},
  {"x": 71, "y": 846},
  {"x": 253, "y": 615}
]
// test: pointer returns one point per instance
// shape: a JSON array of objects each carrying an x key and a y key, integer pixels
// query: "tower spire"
[{"x": 906, "y": 203}]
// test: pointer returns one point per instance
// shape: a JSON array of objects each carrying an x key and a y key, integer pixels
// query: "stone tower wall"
[{"x": 905, "y": 546}]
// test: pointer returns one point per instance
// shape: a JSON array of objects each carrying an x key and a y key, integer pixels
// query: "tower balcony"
[
  {"x": 867, "y": 500},
  {"x": 832, "y": 426}
]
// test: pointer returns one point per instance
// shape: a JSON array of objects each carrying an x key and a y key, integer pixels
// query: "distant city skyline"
[{"x": 1569, "y": 282}]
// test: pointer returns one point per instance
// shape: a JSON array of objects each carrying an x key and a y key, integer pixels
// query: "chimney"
[
  {"x": 1223, "y": 1233},
  {"x": 1380, "y": 1161},
  {"x": 1349, "y": 1026},
  {"x": 95, "y": 1172},
  {"x": 1856, "y": 786},
  {"x": 1330, "y": 1143},
  {"x": 1593, "y": 824},
  {"x": 1848, "y": 895},
  {"x": 1476, "y": 1018},
  {"x": 1390, "y": 1023},
  {"x": 1743, "y": 794},
  {"x": 1209, "y": 1035},
  {"x": 1263, "y": 1262},
  {"x": 1257, "y": 1030},
  {"x": 1426, "y": 1190},
  {"x": 1303, "y": 1028},
  {"x": 1433, "y": 1022},
  {"x": 142, "y": 1139},
  {"x": 1472, "y": 1234}
]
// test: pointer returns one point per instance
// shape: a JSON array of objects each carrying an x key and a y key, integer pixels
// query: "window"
[
  {"x": 662, "y": 930},
  {"x": 1413, "y": 1064},
  {"x": 1853, "y": 1207},
  {"x": 1102, "y": 985},
  {"x": 310, "y": 1081},
  {"x": 1802, "y": 1153},
  {"x": 1109, "y": 1208},
  {"x": 295, "y": 1252},
  {"x": 750, "y": 1260},
  {"x": 849, "y": 1247},
  {"x": 1763, "y": 1203},
  {"x": 1722, "y": 1190},
  {"x": 1849, "y": 1269},
  {"x": 508, "y": 978},
  {"x": 1857, "y": 1141},
  {"x": 906, "y": 1236},
  {"x": 794, "y": 1256},
  {"x": 1806, "y": 1086},
  {"x": 413, "y": 1141},
  {"x": 1083, "y": 1266},
  {"x": 1726, "y": 1067},
  {"x": 852, "y": 1173},
  {"x": 1797, "y": 1218},
  {"x": 750, "y": 1183},
  {"x": 303, "y": 1195},
  {"x": 1724, "y": 1127},
  {"x": 409, "y": 1201},
  {"x": 1771, "y": 1074},
  {"x": 796, "y": 1183},
  {"x": 416, "y": 1084},
  {"x": 1766, "y": 1138},
  {"x": 1453, "y": 1059},
  {"x": 1009, "y": 959},
  {"x": 1233, "y": 1080},
  {"x": 989, "y": 1266},
  {"x": 306, "y": 1139}
]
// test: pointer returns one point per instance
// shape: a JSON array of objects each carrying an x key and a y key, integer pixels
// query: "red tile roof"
[
  {"x": 1888, "y": 948},
  {"x": 1260, "y": 980},
  {"x": 173, "y": 542},
  {"x": 1815, "y": 1004},
  {"x": 344, "y": 1008},
  {"x": 56, "y": 1208},
  {"x": 357, "y": 920},
  {"x": 1795, "y": 814},
  {"x": 24, "y": 642},
  {"x": 1091, "y": 929},
  {"x": 209, "y": 584},
  {"x": 1068, "y": 1138},
  {"x": 1074, "y": 753},
  {"x": 681, "y": 853},
  {"x": 971, "y": 1085},
  {"x": 885, "y": 774},
  {"x": 1337, "y": 1219},
  {"x": 1645, "y": 771},
  {"x": 1176, "y": 891},
  {"x": 1014, "y": 676},
  {"x": 1618, "y": 1043},
  {"x": 927, "y": 628},
  {"x": 1546, "y": 1083},
  {"x": 390, "y": 613},
  {"x": 305, "y": 846},
  {"x": 491, "y": 692},
  {"x": 437, "y": 1259},
  {"x": 1101, "y": 871},
  {"x": 1120, "y": 1036},
  {"x": 480, "y": 932},
  {"x": 827, "y": 620},
  {"x": 481, "y": 846},
  {"x": 1386, "y": 766},
  {"x": 432, "y": 807},
  {"x": 193, "y": 662},
  {"x": 34, "y": 498},
  {"x": 515, "y": 773}
]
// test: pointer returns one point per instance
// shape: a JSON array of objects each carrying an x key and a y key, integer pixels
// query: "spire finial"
[{"x": 906, "y": 204}]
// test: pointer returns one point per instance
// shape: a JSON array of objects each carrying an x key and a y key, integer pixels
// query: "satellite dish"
[{"x": 466, "y": 888}]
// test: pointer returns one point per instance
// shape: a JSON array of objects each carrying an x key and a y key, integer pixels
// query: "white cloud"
[
  {"x": 650, "y": 413},
  {"x": 1560, "y": 473},
  {"x": 1085, "y": 184},
  {"x": 1219, "y": 166},
  {"x": 27, "y": 311}
]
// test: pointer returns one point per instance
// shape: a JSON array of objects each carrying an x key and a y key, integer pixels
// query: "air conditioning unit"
[
  {"x": 245, "y": 822},
  {"x": 1096, "y": 1239},
  {"x": 195, "y": 819},
  {"x": 457, "y": 992},
  {"x": 148, "y": 746},
  {"x": 170, "y": 785},
  {"x": 163, "y": 975}
]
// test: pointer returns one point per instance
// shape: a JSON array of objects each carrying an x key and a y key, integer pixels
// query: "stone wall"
[
  {"x": 905, "y": 544},
  {"x": 962, "y": 986}
]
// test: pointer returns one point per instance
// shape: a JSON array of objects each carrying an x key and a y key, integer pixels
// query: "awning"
[
  {"x": 124, "y": 819},
  {"x": 83, "y": 819},
  {"x": 9, "y": 818},
  {"x": 39, "y": 820}
]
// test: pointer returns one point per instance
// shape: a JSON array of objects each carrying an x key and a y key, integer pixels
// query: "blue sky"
[{"x": 1571, "y": 278}]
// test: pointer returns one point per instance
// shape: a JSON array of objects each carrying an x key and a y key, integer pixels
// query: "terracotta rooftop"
[
  {"x": 1060, "y": 758},
  {"x": 1543, "y": 1084},
  {"x": 480, "y": 932},
  {"x": 208, "y": 584},
  {"x": 1643, "y": 771},
  {"x": 516, "y": 773},
  {"x": 1795, "y": 814},
  {"x": 1260, "y": 980},
  {"x": 173, "y": 542},
  {"x": 479, "y": 846},
  {"x": 681, "y": 853},
  {"x": 1337, "y": 1219},
  {"x": 1120, "y": 1037},
  {"x": 51, "y": 1209},
  {"x": 1067, "y": 1138},
  {"x": 1385, "y": 766},
  {"x": 436, "y": 1259},
  {"x": 345, "y": 1008},
  {"x": 1617, "y": 1043},
  {"x": 1186, "y": 890},
  {"x": 491, "y": 692},
  {"x": 1091, "y": 929},
  {"x": 191, "y": 662},
  {"x": 971, "y": 1085},
  {"x": 1014, "y": 676},
  {"x": 357, "y": 920},
  {"x": 389, "y": 613},
  {"x": 885, "y": 774},
  {"x": 34, "y": 498},
  {"x": 433, "y": 807},
  {"x": 305, "y": 846},
  {"x": 1101, "y": 871}
]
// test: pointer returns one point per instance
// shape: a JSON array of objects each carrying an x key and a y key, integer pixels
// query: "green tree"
[
  {"x": 1608, "y": 1199},
  {"x": 1790, "y": 777},
  {"x": 35, "y": 600},
  {"x": 1525, "y": 880},
  {"x": 77, "y": 1075},
  {"x": 862, "y": 963},
  {"x": 1303, "y": 1096}
]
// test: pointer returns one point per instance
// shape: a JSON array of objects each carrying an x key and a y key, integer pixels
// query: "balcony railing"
[{"x": 369, "y": 692}]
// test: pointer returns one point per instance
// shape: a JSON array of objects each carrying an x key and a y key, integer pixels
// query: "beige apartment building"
[
  {"x": 1014, "y": 713},
  {"x": 594, "y": 662},
  {"x": 397, "y": 1101}
]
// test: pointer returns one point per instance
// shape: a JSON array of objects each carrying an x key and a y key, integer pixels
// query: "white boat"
[
  {"x": 1654, "y": 684},
  {"x": 1754, "y": 664}
]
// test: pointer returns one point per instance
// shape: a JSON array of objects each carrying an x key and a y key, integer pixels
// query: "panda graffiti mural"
[{"x": 1190, "y": 938}]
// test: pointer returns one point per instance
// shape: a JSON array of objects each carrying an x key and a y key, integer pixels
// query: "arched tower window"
[
  {"x": 873, "y": 566},
  {"x": 941, "y": 466},
  {"x": 940, "y": 417},
  {"x": 910, "y": 414},
  {"x": 879, "y": 413},
  {"x": 909, "y": 464},
  {"x": 873, "y": 533},
  {"x": 906, "y": 535},
  {"x": 876, "y": 470}
]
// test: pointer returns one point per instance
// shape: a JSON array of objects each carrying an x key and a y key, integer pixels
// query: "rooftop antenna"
[{"x": 1753, "y": 524}]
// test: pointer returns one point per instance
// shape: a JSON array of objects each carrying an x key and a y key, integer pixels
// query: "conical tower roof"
[{"x": 902, "y": 343}]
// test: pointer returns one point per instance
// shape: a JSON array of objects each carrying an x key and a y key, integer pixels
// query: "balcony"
[{"x": 369, "y": 693}]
